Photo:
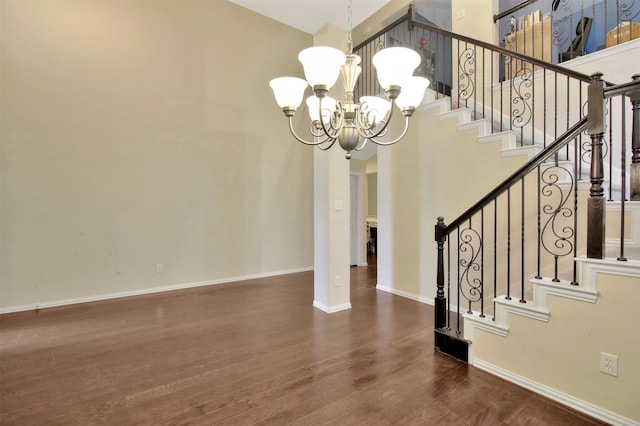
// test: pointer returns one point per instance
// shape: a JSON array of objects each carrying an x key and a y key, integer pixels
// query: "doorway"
[{"x": 355, "y": 220}]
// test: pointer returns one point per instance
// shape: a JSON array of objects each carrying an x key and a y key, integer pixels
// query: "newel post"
[
  {"x": 441, "y": 300},
  {"x": 635, "y": 143},
  {"x": 596, "y": 203}
]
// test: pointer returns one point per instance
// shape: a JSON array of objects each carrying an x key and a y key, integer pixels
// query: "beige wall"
[
  {"x": 372, "y": 204},
  {"x": 477, "y": 20},
  {"x": 425, "y": 186},
  {"x": 380, "y": 19},
  {"x": 139, "y": 133}
]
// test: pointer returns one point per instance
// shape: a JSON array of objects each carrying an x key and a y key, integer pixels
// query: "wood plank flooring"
[{"x": 253, "y": 352}]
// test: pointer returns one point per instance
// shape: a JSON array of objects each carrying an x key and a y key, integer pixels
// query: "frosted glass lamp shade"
[
  {"x": 321, "y": 65},
  {"x": 288, "y": 91},
  {"x": 374, "y": 109},
  {"x": 394, "y": 65},
  {"x": 412, "y": 92},
  {"x": 328, "y": 106}
]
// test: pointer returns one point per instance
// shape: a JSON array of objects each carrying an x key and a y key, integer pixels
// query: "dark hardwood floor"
[{"x": 253, "y": 352}]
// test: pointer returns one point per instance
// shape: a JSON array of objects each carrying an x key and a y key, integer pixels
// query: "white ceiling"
[{"x": 311, "y": 15}]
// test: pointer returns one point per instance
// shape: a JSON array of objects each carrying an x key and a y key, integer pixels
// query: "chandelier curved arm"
[
  {"x": 299, "y": 139},
  {"x": 404, "y": 132},
  {"x": 336, "y": 120},
  {"x": 366, "y": 131},
  {"x": 364, "y": 142},
  {"x": 325, "y": 148}
]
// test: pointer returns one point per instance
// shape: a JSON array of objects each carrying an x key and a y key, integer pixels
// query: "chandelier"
[{"x": 351, "y": 124}]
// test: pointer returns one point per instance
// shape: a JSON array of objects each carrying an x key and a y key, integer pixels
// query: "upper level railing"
[
  {"x": 561, "y": 30},
  {"x": 536, "y": 102}
]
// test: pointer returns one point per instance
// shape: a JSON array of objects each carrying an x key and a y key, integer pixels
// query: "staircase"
[
  {"x": 534, "y": 277},
  {"x": 536, "y": 316}
]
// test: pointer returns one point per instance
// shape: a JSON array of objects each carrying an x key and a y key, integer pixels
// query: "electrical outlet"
[
  {"x": 159, "y": 268},
  {"x": 609, "y": 364},
  {"x": 337, "y": 282}
]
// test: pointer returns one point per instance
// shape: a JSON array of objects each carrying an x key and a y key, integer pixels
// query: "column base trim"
[{"x": 331, "y": 309}]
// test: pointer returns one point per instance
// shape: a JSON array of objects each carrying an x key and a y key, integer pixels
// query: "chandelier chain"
[{"x": 349, "y": 24}]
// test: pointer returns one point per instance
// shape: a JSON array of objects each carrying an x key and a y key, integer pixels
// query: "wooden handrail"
[
  {"x": 513, "y": 9},
  {"x": 563, "y": 140}
]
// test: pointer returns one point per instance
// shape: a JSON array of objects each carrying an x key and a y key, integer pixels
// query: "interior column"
[{"x": 331, "y": 208}]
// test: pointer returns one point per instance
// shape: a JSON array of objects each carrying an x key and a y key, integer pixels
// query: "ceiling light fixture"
[{"x": 351, "y": 124}]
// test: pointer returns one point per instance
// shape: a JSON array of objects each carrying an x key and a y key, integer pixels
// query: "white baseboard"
[
  {"x": 565, "y": 399},
  {"x": 411, "y": 296},
  {"x": 331, "y": 309},
  {"x": 107, "y": 296}
]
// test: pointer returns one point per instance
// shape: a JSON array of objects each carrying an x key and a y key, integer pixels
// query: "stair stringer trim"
[
  {"x": 537, "y": 308},
  {"x": 442, "y": 105},
  {"x": 586, "y": 291},
  {"x": 527, "y": 132},
  {"x": 483, "y": 126},
  {"x": 465, "y": 122},
  {"x": 543, "y": 287},
  {"x": 461, "y": 115}
]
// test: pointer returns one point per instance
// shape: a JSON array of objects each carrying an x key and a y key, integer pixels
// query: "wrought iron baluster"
[
  {"x": 538, "y": 215},
  {"x": 491, "y": 55},
  {"x": 556, "y": 236},
  {"x": 511, "y": 101},
  {"x": 635, "y": 143},
  {"x": 470, "y": 279},
  {"x": 467, "y": 75},
  {"x": 555, "y": 106},
  {"x": 482, "y": 263},
  {"x": 611, "y": 146},
  {"x": 475, "y": 84},
  {"x": 522, "y": 110},
  {"x": 458, "y": 286},
  {"x": 448, "y": 284},
  {"x": 568, "y": 112},
  {"x": 501, "y": 104},
  {"x": 544, "y": 109},
  {"x": 574, "y": 280},
  {"x": 508, "y": 297},
  {"x": 495, "y": 254},
  {"x": 522, "y": 229},
  {"x": 579, "y": 158},
  {"x": 628, "y": 13},
  {"x": 533, "y": 106},
  {"x": 458, "y": 68},
  {"x": 623, "y": 172},
  {"x": 436, "y": 74}
]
